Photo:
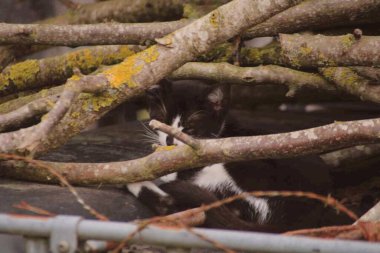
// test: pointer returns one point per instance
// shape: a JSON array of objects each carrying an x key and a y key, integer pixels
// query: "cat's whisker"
[{"x": 147, "y": 129}]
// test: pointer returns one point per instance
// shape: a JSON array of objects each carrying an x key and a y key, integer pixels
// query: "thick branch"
[
  {"x": 80, "y": 35},
  {"x": 318, "y": 14},
  {"x": 349, "y": 81},
  {"x": 127, "y": 11},
  {"x": 322, "y": 51},
  {"x": 314, "y": 140},
  {"x": 349, "y": 155},
  {"x": 16, "y": 103},
  {"x": 55, "y": 70},
  {"x": 26, "y": 112},
  {"x": 224, "y": 72},
  {"x": 368, "y": 72},
  {"x": 27, "y": 139}
]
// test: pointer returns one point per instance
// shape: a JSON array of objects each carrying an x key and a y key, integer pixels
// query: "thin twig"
[
  {"x": 23, "y": 205},
  {"x": 177, "y": 218},
  {"x": 176, "y": 133},
  {"x": 61, "y": 178}
]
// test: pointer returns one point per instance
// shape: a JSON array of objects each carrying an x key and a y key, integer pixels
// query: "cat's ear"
[
  {"x": 219, "y": 97},
  {"x": 163, "y": 88},
  {"x": 158, "y": 97},
  {"x": 166, "y": 87}
]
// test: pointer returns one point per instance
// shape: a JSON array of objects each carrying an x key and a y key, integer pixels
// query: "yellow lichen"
[
  {"x": 257, "y": 56},
  {"x": 75, "y": 115},
  {"x": 124, "y": 51},
  {"x": 22, "y": 73},
  {"x": 95, "y": 102},
  {"x": 165, "y": 148},
  {"x": 329, "y": 73},
  {"x": 348, "y": 40},
  {"x": 124, "y": 72},
  {"x": 305, "y": 50}
]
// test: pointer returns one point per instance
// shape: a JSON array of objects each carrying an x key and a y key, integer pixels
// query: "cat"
[{"x": 201, "y": 110}]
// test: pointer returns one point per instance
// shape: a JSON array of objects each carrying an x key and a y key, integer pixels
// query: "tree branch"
[
  {"x": 310, "y": 51},
  {"x": 227, "y": 73},
  {"x": 314, "y": 140},
  {"x": 370, "y": 73},
  {"x": 55, "y": 70},
  {"x": 127, "y": 11},
  {"x": 349, "y": 155},
  {"x": 318, "y": 14},
  {"x": 26, "y": 140},
  {"x": 349, "y": 81},
  {"x": 176, "y": 133},
  {"x": 82, "y": 35},
  {"x": 26, "y": 112}
]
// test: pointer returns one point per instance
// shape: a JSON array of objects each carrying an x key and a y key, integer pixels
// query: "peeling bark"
[{"x": 314, "y": 140}]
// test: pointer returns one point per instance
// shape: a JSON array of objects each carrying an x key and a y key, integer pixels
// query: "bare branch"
[
  {"x": 318, "y": 14},
  {"x": 55, "y": 70},
  {"x": 368, "y": 72},
  {"x": 125, "y": 11},
  {"x": 349, "y": 155},
  {"x": 314, "y": 140},
  {"x": 176, "y": 133},
  {"x": 227, "y": 73},
  {"x": 81, "y": 35},
  {"x": 27, "y": 139},
  {"x": 26, "y": 112},
  {"x": 323, "y": 51},
  {"x": 349, "y": 81},
  {"x": 18, "y": 102}
]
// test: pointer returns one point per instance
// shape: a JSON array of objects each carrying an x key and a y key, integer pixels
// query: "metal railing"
[{"x": 61, "y": 234}]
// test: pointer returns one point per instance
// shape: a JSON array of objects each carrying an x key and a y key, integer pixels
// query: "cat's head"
[{"x": 197, "y": 108}]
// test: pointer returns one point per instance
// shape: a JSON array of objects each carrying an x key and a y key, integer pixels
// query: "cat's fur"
[{"x": 201, "y": 110}]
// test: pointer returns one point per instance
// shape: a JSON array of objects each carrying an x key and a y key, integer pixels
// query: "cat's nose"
[{"x": 169, "y": 140}]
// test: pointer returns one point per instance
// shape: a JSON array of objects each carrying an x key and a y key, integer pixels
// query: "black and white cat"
[{"x": 201, "y": 110}]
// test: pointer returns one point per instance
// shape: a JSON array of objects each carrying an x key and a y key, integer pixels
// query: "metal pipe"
[
  {"x": 36, "y": 245},
  {"x": 247, "y": 241}
]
